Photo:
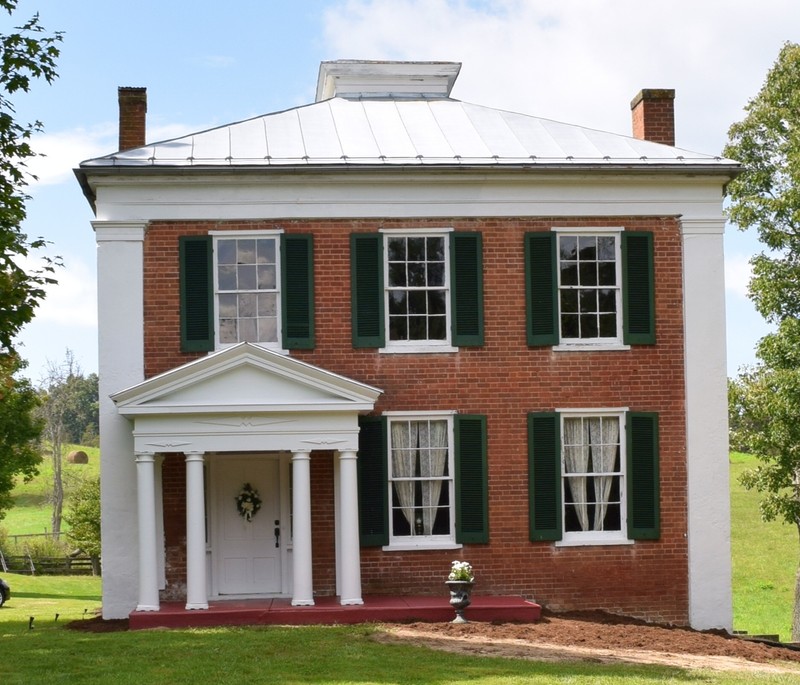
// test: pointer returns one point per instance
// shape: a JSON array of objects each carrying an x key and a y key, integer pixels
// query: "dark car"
[{"x": 5, "y": 592}]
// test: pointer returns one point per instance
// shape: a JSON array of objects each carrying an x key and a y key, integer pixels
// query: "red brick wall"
[{"x": 504, "y": 379}]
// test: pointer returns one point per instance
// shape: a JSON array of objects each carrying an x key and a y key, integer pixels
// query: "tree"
[
  {"x": 26, "y": 54},
  {"x": 766, "y": 399},
  {"x": 63, "y": 397},
  {"x": 83, "y": 516},
  {"x": 19, "y": 429}
]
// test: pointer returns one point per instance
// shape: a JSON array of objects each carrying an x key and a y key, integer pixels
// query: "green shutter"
[
  {"x": 643, "y": 487},
  {"x": 472, "y": 509},
  {"x": 366, "y": 283},
  {"x": 297, "y": 291},
  {"x": 638, "y": 289},
  {"x": 196, "y": 293},
  {"x": 466, "y": 272},
  {"x": 541, "y": 289},
  {"x": 373, "y": 487},
  {"x": 544, "y": 476}
]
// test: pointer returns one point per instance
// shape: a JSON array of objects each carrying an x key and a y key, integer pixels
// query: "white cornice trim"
[{"x": 107, "y": 231}]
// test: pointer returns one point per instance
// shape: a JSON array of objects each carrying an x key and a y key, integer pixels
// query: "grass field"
[
  {"x": 33, "y": 509},
  {"x": 764, "y": 562},
  {"x": 334, "y": 655}
]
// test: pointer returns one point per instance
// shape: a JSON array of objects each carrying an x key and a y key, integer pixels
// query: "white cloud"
[{"x": 737, "y": 274}]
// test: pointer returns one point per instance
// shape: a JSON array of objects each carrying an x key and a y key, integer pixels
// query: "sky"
[{"x": 207, "y": 64}]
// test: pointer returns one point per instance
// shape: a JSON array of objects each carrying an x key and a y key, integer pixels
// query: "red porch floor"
[{"x": 327, "y": 610}]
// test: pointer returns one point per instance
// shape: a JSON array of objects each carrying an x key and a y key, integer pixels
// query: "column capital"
[
  {"x": 145, "y": 457},
  {"x": 194, "y": 455}
]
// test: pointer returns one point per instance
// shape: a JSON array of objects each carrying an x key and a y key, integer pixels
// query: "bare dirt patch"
[{"x": 599, "y": 638}]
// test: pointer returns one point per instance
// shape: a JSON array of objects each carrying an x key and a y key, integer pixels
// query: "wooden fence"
[{"x": 39, "y": 566}]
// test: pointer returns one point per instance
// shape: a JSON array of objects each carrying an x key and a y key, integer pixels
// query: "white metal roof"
[{"x": 345, "y": 132}]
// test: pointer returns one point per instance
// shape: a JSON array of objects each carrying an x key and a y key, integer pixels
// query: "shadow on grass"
[{"x": 53, "y": 595}]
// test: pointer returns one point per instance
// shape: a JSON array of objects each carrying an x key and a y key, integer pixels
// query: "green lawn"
[
  {"x": 764, "y": 562},
  {"x": 49, "y": 653},
  {"x": 33, "y": 510}
]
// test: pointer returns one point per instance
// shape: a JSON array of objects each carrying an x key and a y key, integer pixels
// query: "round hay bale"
[{"x": 78, "y": 457}]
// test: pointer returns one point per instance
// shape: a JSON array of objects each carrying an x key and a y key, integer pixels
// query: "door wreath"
[{"x": 248, "y": 502}]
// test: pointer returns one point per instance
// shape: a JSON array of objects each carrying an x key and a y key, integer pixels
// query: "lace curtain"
[
  {"x": 419, "y": 447},
  {"x": 596, "y": 438}
]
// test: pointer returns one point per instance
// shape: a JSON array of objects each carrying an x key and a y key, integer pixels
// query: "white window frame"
[
  {"x": 246, "y": 235},
  {"x": 592, "y": 537},
  {"x": 416, "y": 346},
  {"x": 420, "y": 542},
  {"x": 590, "y": 344}
]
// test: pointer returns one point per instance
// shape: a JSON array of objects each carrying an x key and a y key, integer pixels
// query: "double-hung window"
[
  {"x": 417, "y": 290},
  {"x": 255, "y": 287},
  {"x": 246, "y": 278},
  {"x": 593, "y": 476},
  {"x": 422, "y": 480},
  {"x": 590, "y": 288}
]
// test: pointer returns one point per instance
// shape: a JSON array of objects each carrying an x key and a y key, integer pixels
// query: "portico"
[{"x": 229, "y": 415}]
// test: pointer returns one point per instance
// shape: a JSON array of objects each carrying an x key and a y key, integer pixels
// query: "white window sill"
[
  {"x": 421, "y": 547},
  {"x": 586, "y": 347},
  {"x": 419, "y": 349},
  {"x": 594, "y": 541}
]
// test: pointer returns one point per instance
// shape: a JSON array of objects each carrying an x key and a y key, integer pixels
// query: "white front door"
[{"x": 248, "y": 553}]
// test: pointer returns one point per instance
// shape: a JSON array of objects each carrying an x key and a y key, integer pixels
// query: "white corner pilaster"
[
  {"x": 709, "y": 542},
  {"x": 302, "y": 575},
  {"x": 349, "y": 555},
  {"x": 196, "y": 594},
  {"x": 146, "y": 508}
]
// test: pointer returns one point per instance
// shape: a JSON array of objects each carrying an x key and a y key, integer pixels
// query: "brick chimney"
[
  {"x": 653, "y": 113},
  {"x": 132, "y": 117}
]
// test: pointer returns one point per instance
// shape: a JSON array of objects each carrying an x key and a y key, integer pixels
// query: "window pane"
[
  {"x": 587, "y": 247},
  {"x": 607, "y": 300},
  {"x": 396, "y": 251},
  {"x": 266, "y": 251},
  {"x": 397, "y": 275},
  {"x": 228, "y": 332},
  {"x": 226, "y": 252},
  {"x": 436, "y": 274},
  {"x": 437, "y": 328},
  {"x": 588, "y": 323},
  {"x": 608, "y": 325},
  {"x": 569, "y": 301},
  {"x": 416, "y": 249},
  {"x": 226, "y": 277},
  {"x": 228, "y": 306},
  {"x": 417, "y": 302},
  {"x": 398, "y": 302},
  {"x": 246, "y": 251},
  {"x": 417, "y": 328},
  {"x": 267, "y": 329},
  {"x": 568, "y": 247},
  {"x": 435, "y": 249},
  {"x": 416, "y": 275},
  {"x": 569, "y": 325},
  {"x": 247, "y": 277},
  {"x": 267, "y": 304},
  {"x": 588, "y": 273},
  {"x": 398, "y": 328},
  {"x": 606, "y": 250},
  {"x": 606, "y": 273},
  {"x": 588, "y": 301},
  {"x": 569, "y": 273},
  {"x": 247, "y": 305},
  {"x": 267, "y": 278},
  {"x": 247, "y": 330},
  {"x": 437, "y": 302}
]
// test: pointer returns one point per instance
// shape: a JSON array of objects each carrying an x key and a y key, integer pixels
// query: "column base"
[
  {"x": 302, "y": 602},
  {"x": 148, "y": 607},
  {"x": 196, "y": 605},
  {"x": 350, "y": 602}
]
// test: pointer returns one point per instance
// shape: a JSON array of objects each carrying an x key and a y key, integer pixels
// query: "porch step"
[{"x": 328, "y": 611}]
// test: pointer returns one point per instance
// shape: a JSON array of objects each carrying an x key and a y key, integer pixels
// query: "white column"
[
  {"x": 303, "y": 592},
  {"x": 349, "y": 555},
  {"x": 196, "y": 597},
  {"x": 146, "y": 506}
]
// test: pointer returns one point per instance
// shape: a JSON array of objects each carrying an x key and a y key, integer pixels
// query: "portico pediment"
[{"x": 247, "y": 379}]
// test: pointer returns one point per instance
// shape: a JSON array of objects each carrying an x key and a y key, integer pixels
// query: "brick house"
[{"x": 418, "y": 329}]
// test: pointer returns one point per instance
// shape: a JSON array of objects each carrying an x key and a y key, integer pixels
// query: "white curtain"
[
  {"x": 605, "y": 436},
  {"x": 576, "y": 460},
  {"x": 404, "y": 457},
  {"x": 433, "y": 459}
]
